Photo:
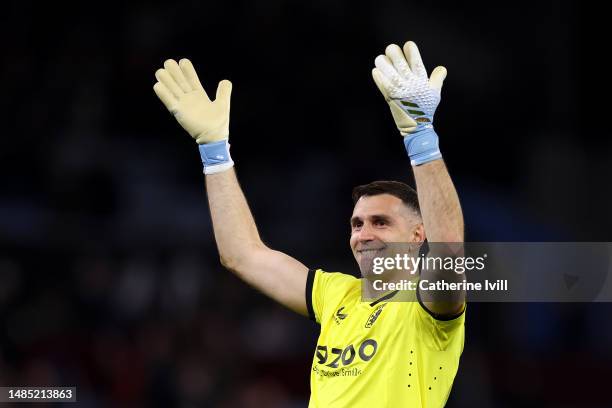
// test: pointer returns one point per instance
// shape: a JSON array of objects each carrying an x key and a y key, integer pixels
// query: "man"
[{"x": 369, "y": 354}]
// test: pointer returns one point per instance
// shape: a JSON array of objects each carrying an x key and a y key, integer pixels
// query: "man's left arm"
[
  {"x": 443, "y": 221},
  {"x": 413, "y": 97}
]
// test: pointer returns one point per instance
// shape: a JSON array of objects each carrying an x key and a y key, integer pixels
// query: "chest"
[
  {"x": 358, "y": 335},
  {"x": 355, "y": 322}
]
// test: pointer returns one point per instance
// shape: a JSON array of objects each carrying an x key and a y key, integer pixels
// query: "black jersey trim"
[
  {"x": 437, "y": 316},
  {"x": 309, "y": 286},
  {"x": 387, "y": 296}
]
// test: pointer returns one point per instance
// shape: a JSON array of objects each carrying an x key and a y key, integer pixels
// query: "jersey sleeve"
[
  {"x": 324, "y": 291},
  {"x": 438, "y": 332}
]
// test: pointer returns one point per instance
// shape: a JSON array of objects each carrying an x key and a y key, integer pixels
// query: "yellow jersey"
[{"x": 378, "y": 354}]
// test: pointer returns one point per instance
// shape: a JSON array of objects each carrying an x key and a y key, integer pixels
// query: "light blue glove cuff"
[
  {"x": 216, "y": 157},
  {"x": 422, "y": 146}
]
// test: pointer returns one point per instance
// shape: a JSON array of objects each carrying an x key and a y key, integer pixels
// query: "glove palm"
[
  {"x": 402, "y": 79},
  {"x": 180, "y": 90}
]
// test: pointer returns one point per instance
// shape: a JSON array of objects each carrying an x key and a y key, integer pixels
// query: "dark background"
[{"x": 109, "y": 277}]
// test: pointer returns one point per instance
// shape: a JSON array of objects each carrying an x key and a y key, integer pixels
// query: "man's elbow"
[
  {"x": 239, "y": 260},
  {"x": 233, "y": 263},
  {"x": 228, "y": 263}
]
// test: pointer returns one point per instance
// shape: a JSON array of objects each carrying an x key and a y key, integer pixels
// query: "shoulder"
[
  {"x": 325, "y": 289},
  {"x": 331, "y": 281},
  {"x": 334, "y": 276},
  {"x": 439, "y": 332}
]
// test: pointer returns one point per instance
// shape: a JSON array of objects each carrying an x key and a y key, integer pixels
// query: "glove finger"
[
  {"x": 191, "y": 75},
  {"x": 164, "y": 77},
  {"x": 414, "y": 59},
  {"x": 381, "y": 82},
  {"x": 165, "y": 96},
  {"x": 172, "y": 67},
  {"x": 437, "y": 78},
  {"x": 224, "y": 92},
  {"x": 385, "y": 66},
  {"x": 395, "y": 54}
]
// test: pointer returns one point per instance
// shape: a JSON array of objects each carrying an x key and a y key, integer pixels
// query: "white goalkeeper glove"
[
  {"x": 413, "y": 98},
  {"x": 207, "y": 121}
]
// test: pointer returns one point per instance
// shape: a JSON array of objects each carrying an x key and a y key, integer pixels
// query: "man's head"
[{"x": 384, "y": 212}]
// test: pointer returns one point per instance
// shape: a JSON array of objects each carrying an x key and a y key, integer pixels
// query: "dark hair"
[{"x": 403, "y": 191}]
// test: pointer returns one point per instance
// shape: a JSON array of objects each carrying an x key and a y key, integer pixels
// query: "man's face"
[{"x": 378, "y": 220}]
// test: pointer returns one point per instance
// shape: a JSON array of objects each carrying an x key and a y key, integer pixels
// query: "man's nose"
[{"x": 366, "y": 233}]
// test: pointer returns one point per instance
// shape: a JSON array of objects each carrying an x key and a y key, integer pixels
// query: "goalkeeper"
[{"x": 369, "y": 354}]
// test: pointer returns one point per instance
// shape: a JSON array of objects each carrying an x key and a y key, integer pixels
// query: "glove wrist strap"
[
  {"x": 216, "y": 157},
  {"x": 422, "y": 146}
]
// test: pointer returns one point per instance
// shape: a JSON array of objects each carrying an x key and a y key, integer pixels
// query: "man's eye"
[{"x": 380, "y": 223}]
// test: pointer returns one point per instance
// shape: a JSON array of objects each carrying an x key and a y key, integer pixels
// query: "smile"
[{"x": 369, "y": 250}]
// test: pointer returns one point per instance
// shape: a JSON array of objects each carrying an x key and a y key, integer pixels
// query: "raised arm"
[
  {"x": 240, "y": 248},
  {"x": 440, "y": 208},
  {"x": 443, "y": 221},
  {"x": 413, "y": 98}
]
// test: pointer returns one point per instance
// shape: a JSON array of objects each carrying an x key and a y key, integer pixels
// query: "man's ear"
[{"x": 418, "y": 235}]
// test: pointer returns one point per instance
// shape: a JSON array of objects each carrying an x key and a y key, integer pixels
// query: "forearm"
[
  {"x": 234, "y": 227},
  {"x": 440, "y": 207},
  {"x": 443, "y": 221}
]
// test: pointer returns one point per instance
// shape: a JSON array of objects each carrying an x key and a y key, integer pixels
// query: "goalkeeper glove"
[
  {"x": 207, "y": 121},
  {"x": 413, "y": 98}
]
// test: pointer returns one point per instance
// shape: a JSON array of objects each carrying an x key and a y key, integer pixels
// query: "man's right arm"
[{"x": 240, "y": 248}]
